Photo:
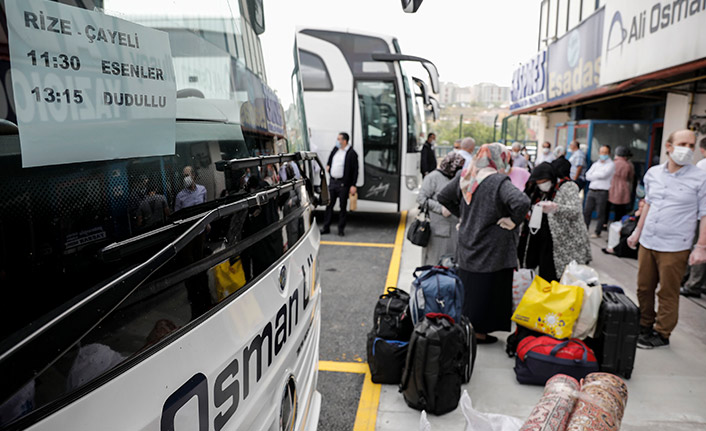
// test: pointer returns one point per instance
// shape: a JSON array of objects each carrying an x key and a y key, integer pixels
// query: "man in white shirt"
[
  {"x": 342, "y": 167},
  {"x": 468, "y": 145},
  {"x": 545, "y": 154},
  {"x": 599, "y": 175},
  {"x": 518, "y": 159},
  {"x": 675, "y": 201}
]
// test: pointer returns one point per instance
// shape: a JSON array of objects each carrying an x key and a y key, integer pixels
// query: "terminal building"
[{"x": 616, "y": 72}]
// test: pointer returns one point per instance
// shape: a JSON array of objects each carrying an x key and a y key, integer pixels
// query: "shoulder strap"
[{"x": 409, "y": 360}]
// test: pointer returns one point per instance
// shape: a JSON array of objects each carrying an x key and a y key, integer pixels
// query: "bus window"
[
  {"x": 315, "y": 76},
  {"x": 56, "y": 229},
  {"x": 378, "y": 112}
]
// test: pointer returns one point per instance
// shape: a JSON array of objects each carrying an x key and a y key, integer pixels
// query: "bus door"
[{"x": 377, "y": 122}]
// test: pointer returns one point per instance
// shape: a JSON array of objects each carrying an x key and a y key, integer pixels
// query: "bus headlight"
[{"x": 411, "y": 183}]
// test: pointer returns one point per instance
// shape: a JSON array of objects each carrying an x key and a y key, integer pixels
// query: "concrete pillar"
[{"x": 676, "y": 117}]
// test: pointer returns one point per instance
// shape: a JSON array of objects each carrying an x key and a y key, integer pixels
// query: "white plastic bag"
[
  {"x": 587, "y": 278},
  {"x": 477, "y": 421},
  {"x": 614, "y": 234},
  {"x": 521, "y": 281},
  {"x": 424, "y": 424}
]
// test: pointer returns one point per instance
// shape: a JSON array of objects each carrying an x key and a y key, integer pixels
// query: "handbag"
[
  {"x": 419, "y": 231},
  {"x": 540, "y": 358},
  {"x": 549, "y": 308}
]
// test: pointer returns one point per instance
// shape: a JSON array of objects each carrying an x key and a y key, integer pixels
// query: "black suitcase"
[
  {"x": 386, "y": 359},
  {"x": 617, "y": 330}
]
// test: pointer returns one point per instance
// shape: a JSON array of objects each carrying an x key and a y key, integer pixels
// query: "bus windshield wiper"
[{"x": 27, "y": 357}]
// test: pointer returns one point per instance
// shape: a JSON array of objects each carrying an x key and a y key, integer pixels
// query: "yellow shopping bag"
[
  {"x": 228, "y": 278},
  {"x": 550, "y": 308}
]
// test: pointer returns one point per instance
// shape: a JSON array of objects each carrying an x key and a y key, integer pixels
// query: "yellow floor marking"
[
  {"x": 343, "y": 367},
  {"x": 367, "y": 414},
  {"x": 358, "y": 244},
  {"x": 393, "y": 273}
]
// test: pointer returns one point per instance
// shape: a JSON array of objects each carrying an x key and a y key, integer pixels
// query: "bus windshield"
[{"x": 68, "y": 231}]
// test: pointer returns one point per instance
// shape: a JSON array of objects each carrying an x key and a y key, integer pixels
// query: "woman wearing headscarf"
[
  {"x": 560, "y": 236},
  {"x": 444, "y": 235},
  {"x": 489, "y": 207}
]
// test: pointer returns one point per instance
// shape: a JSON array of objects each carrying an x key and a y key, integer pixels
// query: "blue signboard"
[
  {"x": 529, "y": 83},
  {"x": 575, "y": 59}
]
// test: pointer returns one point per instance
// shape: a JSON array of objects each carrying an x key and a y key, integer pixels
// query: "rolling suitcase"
[{"x": 617, "y": 330}]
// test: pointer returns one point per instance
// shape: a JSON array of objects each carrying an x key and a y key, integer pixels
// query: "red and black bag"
[{"x": 540, "y": 358}]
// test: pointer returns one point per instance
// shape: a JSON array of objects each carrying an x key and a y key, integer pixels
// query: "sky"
[{"x": 470, "y": 41}]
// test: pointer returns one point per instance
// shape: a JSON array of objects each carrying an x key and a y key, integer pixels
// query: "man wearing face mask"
[
  {"x": 600, "y": 174},
  {"x": 545, "y": 154},
  {"x": 518, "y": 159},
  {"x": 192, "y": 194},
  {"x": 428, "y": 161},
  {"x": 675, "y": 201}
]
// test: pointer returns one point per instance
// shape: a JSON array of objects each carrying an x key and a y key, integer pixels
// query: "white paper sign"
[
  {"x": 88, "y": 86},
  {"x": 641, "y": 37}
]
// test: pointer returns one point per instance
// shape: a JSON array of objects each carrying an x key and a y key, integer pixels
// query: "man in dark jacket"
[
  {"x": 342, "y": 167},
  {"x": 428, "y": 162}
]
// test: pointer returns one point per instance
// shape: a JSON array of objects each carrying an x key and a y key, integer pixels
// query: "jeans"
[
  {"x": 597, "y": 199},
  {"x": 337, "y": 190}
]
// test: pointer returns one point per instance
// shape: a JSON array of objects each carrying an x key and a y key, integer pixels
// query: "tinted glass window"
[
  {"x": 378, "y": 114},
  {"x": 358, "y": 50},
  {"x": 315, "y": 76},
  {"x": 67, "y": 230}
]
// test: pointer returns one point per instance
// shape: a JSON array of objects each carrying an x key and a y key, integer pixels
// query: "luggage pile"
[
  {"x": 575, "y": 327},
  {"x": 596, "y": 403},
  {"x": 423, "y": 342}
]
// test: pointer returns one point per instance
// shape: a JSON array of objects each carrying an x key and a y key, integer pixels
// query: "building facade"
[{"x": 616, "y": 72}]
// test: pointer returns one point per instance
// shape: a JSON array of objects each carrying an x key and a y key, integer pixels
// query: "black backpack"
[
  {"x": 392, "y": 320},
  {"x": 439, "y": 360}
]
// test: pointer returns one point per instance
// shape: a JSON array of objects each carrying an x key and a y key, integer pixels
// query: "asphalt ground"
[{"x": 354, "y": 272}]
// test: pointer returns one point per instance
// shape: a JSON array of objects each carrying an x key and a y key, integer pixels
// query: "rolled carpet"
[
  {"x": 600, "y": 405},
  {"x": 553, "y": 411}
]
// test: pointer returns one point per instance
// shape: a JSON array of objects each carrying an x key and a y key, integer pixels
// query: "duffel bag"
[
  {"x": 386, "y": 359},
  {"x": 391, "y": 318},
  {"x": 436, "y": 289},
  {"x": 436, "y": 365},
  {"x": 540, "y": 358}
]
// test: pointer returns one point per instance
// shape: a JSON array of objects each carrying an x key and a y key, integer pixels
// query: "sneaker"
[
  {"x": 688, "y": 293},
  {"x": 652, "y": 341},
  {"x": 595, "y": 235},
  {"x": 646, "y": 330}
]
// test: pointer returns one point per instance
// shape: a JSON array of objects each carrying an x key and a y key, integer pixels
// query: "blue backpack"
[{"x": 436, "y": 290}]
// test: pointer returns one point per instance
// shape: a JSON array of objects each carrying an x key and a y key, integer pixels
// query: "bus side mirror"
[
  {"x": 423, "y": 88},
  {"x": 411, "y": 6},
  {"x": 435, "y": 108}
]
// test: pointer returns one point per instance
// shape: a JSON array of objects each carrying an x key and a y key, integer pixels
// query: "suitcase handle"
[{"x": 560, "y": 346}]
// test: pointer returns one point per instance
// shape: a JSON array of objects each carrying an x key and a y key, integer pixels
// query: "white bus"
[
  {"x": 356, "y": 82},
  {"x": 160, "y": 292}
]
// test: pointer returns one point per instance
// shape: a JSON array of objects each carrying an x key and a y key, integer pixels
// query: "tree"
[{"x": 448, "y": 131}]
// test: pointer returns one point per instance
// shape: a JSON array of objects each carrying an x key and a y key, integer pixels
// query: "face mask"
[
  {"x": 188, "y": 182},
  {"x": 545, "y": 187},
  {"x": 546, "y": 150},
  {"x": 535, "y": 222},
  {"x": 515, "y": 153},
  {"x": 604, "y": 157},
  {"x": 338, "y": 144},
  {"x": 682, "y": 155}
]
